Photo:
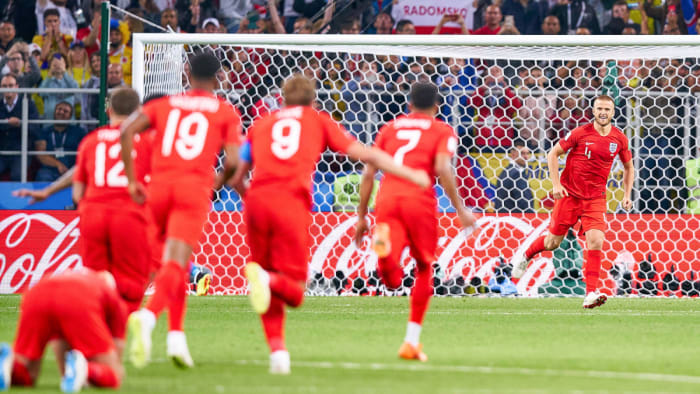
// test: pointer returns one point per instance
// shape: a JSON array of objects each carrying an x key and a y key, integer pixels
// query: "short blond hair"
[
  {"x": 604, "y": 97},
  {"x": 298, "y": 90}
]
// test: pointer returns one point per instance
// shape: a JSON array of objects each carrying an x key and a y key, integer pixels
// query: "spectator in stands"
[
  {"x": 115, "y": 77},
  {"x": 550, "y": 25},
  {"x": 7, "y": 36},
  {"x": 451, "y": 18},
  {"x": 11, "y": 132},
  {"x": 89, "y": 102},
  {"x": 232, "y": 12},
  {"x": 573, "y": 14},
  {"x": 496, "y": 104},
  {"x": 405, "y": 26},
  {"x": 493, "y": 18},
  {"x": 61, "y": 138},
  {"x": 21, "y": 65},
  {"x": 168, "y": 20},
  {"x": 621, "y": 10},
  {"x": 90, "y": 34},
  {"x": 53, "y": 40},
  {"x": 528, "y": 15},
  {"x": 513, "y": 192},
  {"x": 119, "y": 52},
  {"x": 275, "y": 24},
  {"x": 302, "y": 26},
  {"x": 191, "y": 12},
  {"x": 65, "y": 16},
  {"x": 79, "y": 63},
  {"x": 569, "y": 117},
  {"x": 350, "y": 26},
  {"x": 538, "y": 106},
  {"x": 631, "y": 29},
  {"x": 58, "y": 78},
  {"x": 383, "y": 23},
  {"x": 584, "y": 31},
  {"x": 457, "y": 82},
  {"x": 665, "y": 13}
]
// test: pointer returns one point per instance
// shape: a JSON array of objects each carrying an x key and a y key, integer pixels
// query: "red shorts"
[
  {"x": 114, "y": 238},
  {"x": 412, "y": 222},
  {"x": 278, "y": 231},
  {"x": 568, "y": 210},
  {"x": 179, "y": 210},
  {"x": 42, "y": 319}
]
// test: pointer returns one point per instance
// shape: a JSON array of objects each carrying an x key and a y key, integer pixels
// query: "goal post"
[{"x": 509, "y": 98}]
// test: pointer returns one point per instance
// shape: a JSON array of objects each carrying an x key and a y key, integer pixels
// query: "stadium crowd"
[{"x": 495, "y": 105}]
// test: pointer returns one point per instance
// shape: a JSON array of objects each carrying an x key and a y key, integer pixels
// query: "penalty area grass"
[{"x": 349, "y": 345}]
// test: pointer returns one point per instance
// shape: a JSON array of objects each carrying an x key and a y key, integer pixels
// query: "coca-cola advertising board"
[{"x": 35, "y": 244}]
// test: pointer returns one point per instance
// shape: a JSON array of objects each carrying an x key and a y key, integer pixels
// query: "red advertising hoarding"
[{"x": 34, "y": 244}]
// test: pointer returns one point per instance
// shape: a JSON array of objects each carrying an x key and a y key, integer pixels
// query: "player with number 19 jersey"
[
  {"x": 190, "y": 131},
  {"x": 113, "y": 228}
]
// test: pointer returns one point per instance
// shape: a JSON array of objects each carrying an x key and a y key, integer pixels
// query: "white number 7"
[{"x": 411, "y": 137}]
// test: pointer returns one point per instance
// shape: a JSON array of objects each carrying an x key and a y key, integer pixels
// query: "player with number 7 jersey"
[
  {"x": 406, "y": 215},
  {"x": 191, "y": 130},
  {"x": 113, "y": 228},
  {"x": 285, "y": 147}
]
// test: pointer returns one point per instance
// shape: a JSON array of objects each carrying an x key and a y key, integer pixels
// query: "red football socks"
[
  {"x": 420, "y": 296},
  {"x": 273, "y": 324},
  {"x": 20, "y": 375},
  {"x": 287, "y": 289},
  {"x": 168, "y": 282},
  {"x": 102, "y": 375},
  {"x": 177, "y": 307},
  {"x": 536, "y": 247},
  {"x": 390, "y": 274},
  {"x": 592, "y": 271}
]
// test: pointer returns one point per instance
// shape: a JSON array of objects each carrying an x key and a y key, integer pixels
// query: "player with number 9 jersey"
[
  {"x": 285, "y": 147},
  {"x": 113, "y": 228}
]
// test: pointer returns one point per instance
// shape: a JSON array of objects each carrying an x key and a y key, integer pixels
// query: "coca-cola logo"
[
  {"x": 33, "y": 245},
  {"x": 463, "y": 254}
]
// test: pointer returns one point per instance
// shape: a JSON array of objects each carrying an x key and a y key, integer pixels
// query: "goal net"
[{"x": 510, "y": 99}]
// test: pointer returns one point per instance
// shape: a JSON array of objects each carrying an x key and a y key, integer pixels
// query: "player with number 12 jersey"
[
  {"x": 113, "y": 228},
  {"x": 285, "y": 146}
]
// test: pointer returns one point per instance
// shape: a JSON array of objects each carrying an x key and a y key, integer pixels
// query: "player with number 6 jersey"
[
  {"x": 405, "y": 214},
  {"x": 285, "y": 146},
  {"x": 580, "y": 193},
  {"x": 191, "y": 130},
  {"x": 113, "y": 228}
]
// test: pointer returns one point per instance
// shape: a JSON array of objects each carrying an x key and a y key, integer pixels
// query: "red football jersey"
[
  {"x": 590, "y": 158},
  {"x": 286, "y": 144},
  {"x": 190, "y": 131},
  {"x": 99, "y": 165},
  {"x": 414, "y": 140},
  {"x": 90, "y": 292}
]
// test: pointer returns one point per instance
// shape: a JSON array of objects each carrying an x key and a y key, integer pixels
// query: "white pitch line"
[
  {"x": 570, "y": 312},
  {"x": 414, "y": 367}
]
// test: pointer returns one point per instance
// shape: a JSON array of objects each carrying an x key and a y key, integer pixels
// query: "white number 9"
[{"x": 285, "y": 138}]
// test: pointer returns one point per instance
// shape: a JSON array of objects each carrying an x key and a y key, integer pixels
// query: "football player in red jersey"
[
  {"x": 580, "y": 193},
  {"x": 112, "y": 226},
  {"x": 83, "y": 318},
  {"x": 191, "y": 129},
  {"x": 285, "y": 146},
  {"x": 406, "y": 214}
]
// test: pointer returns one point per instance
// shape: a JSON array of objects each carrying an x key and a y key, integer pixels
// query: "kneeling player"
[{"x": 83, "y": 317}]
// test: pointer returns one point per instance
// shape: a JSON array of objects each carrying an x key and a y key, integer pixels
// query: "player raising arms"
[
  {"x": 406, "y": 214},
  {"x": 580, "y": 193},
  {"x": 285, "y": 147},
  {"x": 83, "y": 318},
  {"x": 112, "y": 226},
  {"x": 191, "y": 129}
]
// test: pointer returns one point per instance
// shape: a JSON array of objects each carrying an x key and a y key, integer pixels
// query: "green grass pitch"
[{"x": 474, "y": 345}]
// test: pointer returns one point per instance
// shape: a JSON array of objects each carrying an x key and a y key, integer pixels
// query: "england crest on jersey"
[{"x": 613, "y": 147}]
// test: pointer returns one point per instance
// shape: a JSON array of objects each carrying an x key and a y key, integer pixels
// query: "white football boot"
[
  {"x": 594, "y": 300},
  {"x": 75, "y": 372},
  {"x": 6, "y": 359},
  {"x": 520, "y": 263},
  {"x": 178, "y": 351},
  {"x": 280, "y": 363}
]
